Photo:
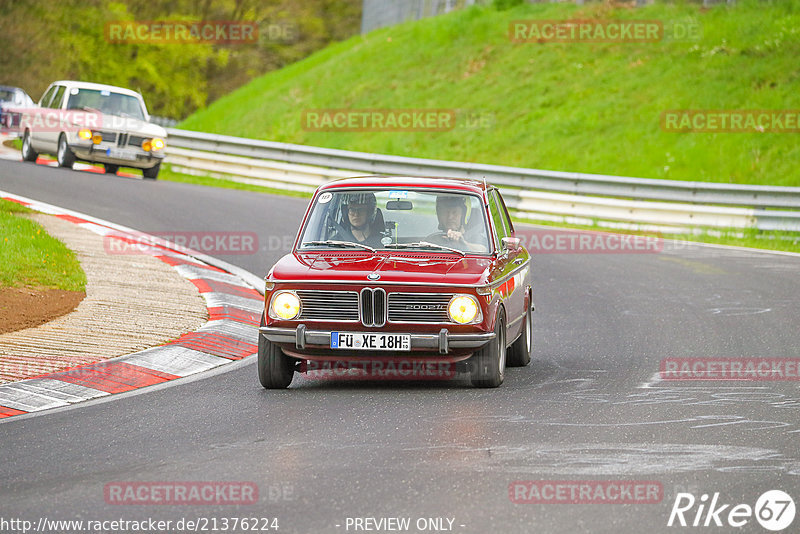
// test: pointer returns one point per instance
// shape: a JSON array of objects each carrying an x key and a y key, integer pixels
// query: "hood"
[{"x": 437, "y": 269}]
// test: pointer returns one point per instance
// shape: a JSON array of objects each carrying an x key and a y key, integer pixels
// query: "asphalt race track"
[{"x": 590, "y": 406}]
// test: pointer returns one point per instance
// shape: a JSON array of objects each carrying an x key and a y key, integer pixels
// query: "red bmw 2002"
[{"x": 417, "y": 269}]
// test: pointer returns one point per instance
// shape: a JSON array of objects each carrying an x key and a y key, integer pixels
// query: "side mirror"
[{"x": 511, "y": 244}]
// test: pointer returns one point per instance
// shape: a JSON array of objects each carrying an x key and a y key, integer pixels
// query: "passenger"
[{"x": 360, "y": 222}]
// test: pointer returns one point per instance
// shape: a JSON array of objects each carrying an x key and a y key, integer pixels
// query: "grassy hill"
[{"x": 565, "y": 106}]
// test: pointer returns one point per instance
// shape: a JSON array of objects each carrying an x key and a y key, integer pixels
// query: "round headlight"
[
  {"x": 157, "y": 143},
  {"x": 463, "y": 309},
  {"x": 85, "y": 134},
  {"x": 285, "y": 305}
]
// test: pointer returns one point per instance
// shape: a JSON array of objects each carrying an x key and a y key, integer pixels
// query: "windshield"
[
  {"x": 6, "y": 95},
  {"x": 106, "y": 102},
  {"x": 392, "y": 219}
]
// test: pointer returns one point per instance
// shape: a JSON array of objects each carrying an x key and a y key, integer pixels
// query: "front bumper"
[
  {"x": 302, "y": 338},
  {"x": 88, "y": 151}
]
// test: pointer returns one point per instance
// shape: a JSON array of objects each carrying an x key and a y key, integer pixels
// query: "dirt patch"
[{"x": 23, "y": 308}]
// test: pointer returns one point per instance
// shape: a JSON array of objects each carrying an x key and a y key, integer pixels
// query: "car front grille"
[
  {"x": 135, "y": 140},
  {"x": 108, "y": 137},
  {"x": 328, "y": 305},
  {"x": 373, "y": 307},
  {"x": 419, "y": 307}
]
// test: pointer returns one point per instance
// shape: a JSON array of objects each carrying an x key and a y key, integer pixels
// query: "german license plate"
[
  {"x": 119, "y": 153},
  {"x": 370, "y": 341}
]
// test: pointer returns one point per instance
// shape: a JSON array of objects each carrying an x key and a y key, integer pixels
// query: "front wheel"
[
  {"x": 28, "y": 153},
  {"x": 64, "y": 156},
  {"x": 152, "y": 172},
  {"x": 488, "y": 364},
  {"x": 275, "y": 369},
  {"x": 519, "y": 354}
]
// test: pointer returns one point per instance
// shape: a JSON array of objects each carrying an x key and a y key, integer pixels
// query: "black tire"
[
  {"x": 152, "y": 172},
  {"x": 111, "y": 169},
  {"x": 519, "y": 353},
  {"x": 28, "y": 153},
  {"x": 64, "y": 156},
  {"x": 275, "y": 369},
  {"x": 487, "y": 365}
]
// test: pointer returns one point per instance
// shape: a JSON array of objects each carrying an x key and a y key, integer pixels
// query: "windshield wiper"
[
  {"x": 424, "y": 244},
  {"x": 334, "y": 243}
]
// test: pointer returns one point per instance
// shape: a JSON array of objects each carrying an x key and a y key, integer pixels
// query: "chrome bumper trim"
[{"x": 302, "y": 338}]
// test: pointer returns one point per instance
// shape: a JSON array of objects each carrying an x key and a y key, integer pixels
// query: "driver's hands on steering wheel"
[{"x": 453, "y": 235}]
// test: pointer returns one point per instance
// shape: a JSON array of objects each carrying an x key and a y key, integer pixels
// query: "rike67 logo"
[{"x": 774, "y": 510}]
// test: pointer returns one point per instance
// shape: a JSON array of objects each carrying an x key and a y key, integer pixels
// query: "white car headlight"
[
  {"x": 285, "y": 305},
  {"x": 464, "y": 309}
]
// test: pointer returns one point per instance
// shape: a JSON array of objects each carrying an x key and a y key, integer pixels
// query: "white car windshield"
[
  {"x": 396, "y": 219},
  {"x": 107, "y": 102}
]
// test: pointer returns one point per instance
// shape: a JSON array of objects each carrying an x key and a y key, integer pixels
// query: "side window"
[
  {"x": 47, "y": 97},
  {"x": 496, "y": 213},
  {"x": 56, "y": 103},
  {"x": 506, "y": 217}
]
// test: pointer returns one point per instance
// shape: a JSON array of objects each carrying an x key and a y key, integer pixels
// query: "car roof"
[
  {"x": 411, "y": 182},
  {"x": 96, "y": 86}
]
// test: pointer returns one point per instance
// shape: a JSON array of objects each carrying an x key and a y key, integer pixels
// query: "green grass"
[
  {"x": 30, "y": 257},
  {"x": 565, "y": 106},
  {"x": 16, "y": 144}
]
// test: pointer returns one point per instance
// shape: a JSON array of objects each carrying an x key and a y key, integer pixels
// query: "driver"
[
  {"x": 451, "y": 210},
  {"x": 361, "y": 210}
]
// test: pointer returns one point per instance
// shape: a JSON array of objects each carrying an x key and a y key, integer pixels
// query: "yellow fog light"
[
  {"x": 285, "y": 305},
  {"x": 463, "y": 309},
  {"x": 85, "y": 133},
  {"x": 97, "y": 139},
  {"x": 156, "y": 143}
]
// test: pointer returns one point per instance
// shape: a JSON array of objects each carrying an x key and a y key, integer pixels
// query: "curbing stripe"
[
  {"x": 18, "y": 398},
  {"x": 194, "y": 272},
  {"x": 211, "y": 286},
  {"x": 113, "y": 376},
  {"x": 234, "y": 314},
  {"x": 219, "y": 300},
  {"x": 218, "y": 345},
  {"x": 9, "y": 412},
  {"x": 59, "y": 390},
  {"x": 234, "y": 329},
  {"x": 184, "y": 260},
  {"x": 174, "y": 360}
]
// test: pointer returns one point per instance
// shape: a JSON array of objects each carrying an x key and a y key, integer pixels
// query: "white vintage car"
[{"x": 80, "y": 121}]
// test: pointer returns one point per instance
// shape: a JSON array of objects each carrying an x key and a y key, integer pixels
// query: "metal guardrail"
[{"x": 547, "y": 195}]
